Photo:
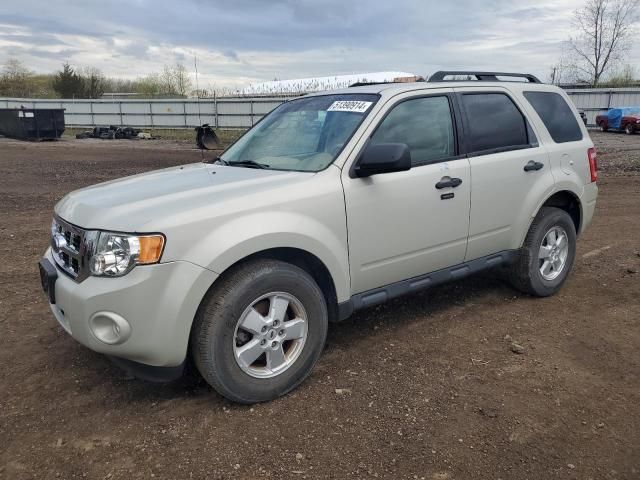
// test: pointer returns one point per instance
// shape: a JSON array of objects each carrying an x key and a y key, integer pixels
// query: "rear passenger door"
[{"x": 510, "y": 171}]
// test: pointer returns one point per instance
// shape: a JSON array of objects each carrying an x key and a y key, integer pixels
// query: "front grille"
[{"x": 71, "y": 248}]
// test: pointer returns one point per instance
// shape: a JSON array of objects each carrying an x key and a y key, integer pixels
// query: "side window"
[
  {"x": 556, "y": 116},
  {"x": 494, "y": 122},
  {"x": 424, "y": 124}
]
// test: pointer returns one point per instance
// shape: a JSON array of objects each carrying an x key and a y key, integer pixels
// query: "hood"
[{"x": 137, "y": 203}]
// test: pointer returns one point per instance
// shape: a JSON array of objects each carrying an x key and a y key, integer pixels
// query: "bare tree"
[
  {"x": 94, "y": 82},
  {"x": 15, "y": 79},
  {"x": 182, "y": 80},
  {"x": 604, "y": 32}
]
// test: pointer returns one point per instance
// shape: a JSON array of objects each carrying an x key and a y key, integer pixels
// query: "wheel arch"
[
  {"x": 569, "y": 202},
  {"x": 301, "y": 258}
]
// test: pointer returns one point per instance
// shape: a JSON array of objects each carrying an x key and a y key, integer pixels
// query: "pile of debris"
[{"x": 112, "y": 132}]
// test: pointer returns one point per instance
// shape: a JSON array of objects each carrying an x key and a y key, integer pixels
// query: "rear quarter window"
[{"x": 556, "y": 116}]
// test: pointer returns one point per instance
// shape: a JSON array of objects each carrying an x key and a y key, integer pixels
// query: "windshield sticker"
[{"x": 349, "y": 106}]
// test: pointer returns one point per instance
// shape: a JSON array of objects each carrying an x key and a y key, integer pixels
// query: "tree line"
[{"x": 17, "y": 80}]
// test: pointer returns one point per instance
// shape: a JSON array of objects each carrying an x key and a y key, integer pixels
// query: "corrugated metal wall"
[
  {"x": 219, "y": 112},
  {"x": 598, "y": 100},
  {"x": 234, "y": 112}
]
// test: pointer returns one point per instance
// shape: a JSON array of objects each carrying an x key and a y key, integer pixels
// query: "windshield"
[{"x": 304, "y": 135}]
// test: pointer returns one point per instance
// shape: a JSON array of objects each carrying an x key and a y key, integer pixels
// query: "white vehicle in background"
[{"x": 334, "y": 202}]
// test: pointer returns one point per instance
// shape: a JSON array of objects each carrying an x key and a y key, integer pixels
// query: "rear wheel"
[
  {"x": 546, "y": 258},
  {"x": 603, "y": 128},
  {"x": 260, "y": 331}
]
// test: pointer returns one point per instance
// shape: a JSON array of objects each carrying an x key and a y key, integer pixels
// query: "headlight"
[{"x": 116, "y": 253}]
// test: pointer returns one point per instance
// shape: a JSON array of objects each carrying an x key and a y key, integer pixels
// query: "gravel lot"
[{"x": 425, "y": 387}]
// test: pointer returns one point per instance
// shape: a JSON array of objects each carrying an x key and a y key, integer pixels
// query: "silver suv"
[{"x": 332, "y": 203}]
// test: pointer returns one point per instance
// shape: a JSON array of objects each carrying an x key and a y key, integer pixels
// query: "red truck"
[{"x": 627, "y": 119}]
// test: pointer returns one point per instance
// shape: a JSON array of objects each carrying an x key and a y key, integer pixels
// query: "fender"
[
  {"x": 561, "y": 186},
  {"x": 243, "y": 236}
]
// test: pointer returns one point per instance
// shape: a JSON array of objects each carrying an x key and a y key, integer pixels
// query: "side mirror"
[{"x": 383, "y": 158}]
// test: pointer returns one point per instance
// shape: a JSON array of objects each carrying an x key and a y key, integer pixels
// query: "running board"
[{"x": 380, "y": 295}]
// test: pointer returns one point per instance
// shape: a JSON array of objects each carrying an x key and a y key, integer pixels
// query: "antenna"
[{"x": 195, "y": 64}]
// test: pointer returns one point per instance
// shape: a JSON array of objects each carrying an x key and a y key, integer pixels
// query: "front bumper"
[{"x": 158, "y": 302}]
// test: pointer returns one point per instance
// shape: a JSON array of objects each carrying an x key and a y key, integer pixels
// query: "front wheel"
[
  {"x": 545, "y": 260},
  {"x": 629, "y": 130},
  {"x": 260, "y": 331},
  {"x": 603, "y": 128}
]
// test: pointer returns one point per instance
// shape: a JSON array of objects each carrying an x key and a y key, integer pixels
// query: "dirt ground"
[{"x": 425, "y": 387}]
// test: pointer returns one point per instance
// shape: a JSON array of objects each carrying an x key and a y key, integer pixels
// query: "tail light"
[{"x": 593, "y": 164}]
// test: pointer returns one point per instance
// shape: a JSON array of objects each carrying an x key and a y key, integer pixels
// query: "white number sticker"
[{"x": 349, "y": 106}]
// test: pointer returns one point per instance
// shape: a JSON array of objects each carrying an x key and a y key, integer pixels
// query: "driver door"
[{"x": 400, "y": 225}]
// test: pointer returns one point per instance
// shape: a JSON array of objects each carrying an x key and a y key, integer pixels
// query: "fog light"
[{"x": 110, "y": 328}]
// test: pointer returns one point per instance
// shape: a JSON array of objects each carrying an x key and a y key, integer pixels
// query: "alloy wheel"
[
  {"x": 553, "y": 253},
  {"x": 270, "y": 335}
]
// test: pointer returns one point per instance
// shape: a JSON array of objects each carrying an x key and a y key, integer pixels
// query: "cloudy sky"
[{"x": 238, "y": 42}]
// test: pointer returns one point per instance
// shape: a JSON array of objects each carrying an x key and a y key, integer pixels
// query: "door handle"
[
  {"x": 451, "y": 182},
  {"x": 532, "y": 166}
]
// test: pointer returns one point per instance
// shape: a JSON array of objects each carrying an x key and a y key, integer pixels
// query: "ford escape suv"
[{"x": 332, "y": 203}]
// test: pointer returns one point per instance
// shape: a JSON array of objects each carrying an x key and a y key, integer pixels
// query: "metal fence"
[
  {"x": 240, "y": 112},
  {"x": 598, "y": 100},
  {"x": 225, "y": 112}
]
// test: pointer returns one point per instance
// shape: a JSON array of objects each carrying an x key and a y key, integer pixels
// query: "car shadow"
[{"x": 343, "y": 336}]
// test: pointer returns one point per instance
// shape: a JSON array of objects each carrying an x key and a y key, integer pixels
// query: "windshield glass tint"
[{"x": 305, "y": 134}]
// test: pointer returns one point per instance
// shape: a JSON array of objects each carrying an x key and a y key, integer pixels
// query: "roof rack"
[{"x": 481, "y": 76}]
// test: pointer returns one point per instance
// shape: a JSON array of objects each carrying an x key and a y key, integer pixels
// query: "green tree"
[
  {"x": 68, "y": 83},
  {"x": 149, "y": 86}
]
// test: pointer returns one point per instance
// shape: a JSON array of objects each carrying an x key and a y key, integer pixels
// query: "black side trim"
[
  {"x": 149, "y": 372},
  {"x": 404, "y": 287}
]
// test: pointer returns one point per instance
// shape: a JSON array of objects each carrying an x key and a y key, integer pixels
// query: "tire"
[
  {"x": 603, "y": 128},
  {"x": 218, "y": 335},
  {"x": 629, "y": 130},
  {"x": 525, "y": 273}
]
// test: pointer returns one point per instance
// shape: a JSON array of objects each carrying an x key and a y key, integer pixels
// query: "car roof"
[{"x": 390, "y": 89}]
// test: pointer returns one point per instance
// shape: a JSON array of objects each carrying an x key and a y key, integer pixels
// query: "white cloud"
[{"x": 238, "y": 42}]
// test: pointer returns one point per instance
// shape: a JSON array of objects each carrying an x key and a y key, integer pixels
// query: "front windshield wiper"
[{"x": 247, "y": 163}]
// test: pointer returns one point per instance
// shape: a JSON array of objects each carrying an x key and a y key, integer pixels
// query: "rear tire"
[
  {"x": 603, "y": 128},
  {"x": 238, "y": 320},
  {"x": 529, "y": 273}
]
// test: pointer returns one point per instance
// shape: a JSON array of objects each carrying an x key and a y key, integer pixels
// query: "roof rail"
[{"x": 481, "y": 76}]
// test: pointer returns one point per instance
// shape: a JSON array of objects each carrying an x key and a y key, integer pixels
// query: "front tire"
[
  {"x": 545, "y": 260},
  {"x": 603, "y": 128},
  {"x": 629, "y": 129},
  {"x": 259, "y": 331}
]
